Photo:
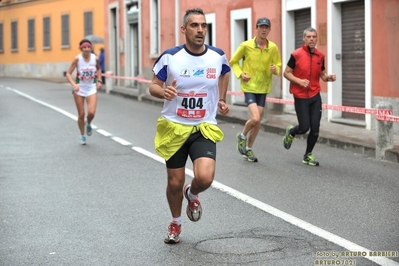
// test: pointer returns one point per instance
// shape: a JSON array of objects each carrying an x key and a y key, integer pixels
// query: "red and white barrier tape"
[
  {"x": 389, "y": 118},
  {"x": 139, "y": 79},
  {"x": 381, "y": 114}
]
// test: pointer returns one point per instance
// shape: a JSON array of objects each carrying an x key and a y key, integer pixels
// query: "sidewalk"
[{"x": 352, "y": 138}]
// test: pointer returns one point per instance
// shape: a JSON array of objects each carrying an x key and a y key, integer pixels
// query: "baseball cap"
[{"x": 263, "y": 21}]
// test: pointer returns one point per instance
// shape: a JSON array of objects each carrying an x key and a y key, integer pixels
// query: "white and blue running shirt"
[{"x": 197, "y": 77}]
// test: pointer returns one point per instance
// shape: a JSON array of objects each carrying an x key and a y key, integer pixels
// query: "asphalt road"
[{"x": 104, "y": 203}]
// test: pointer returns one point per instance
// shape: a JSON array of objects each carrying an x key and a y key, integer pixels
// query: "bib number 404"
[{"x": 192, "y": 103}]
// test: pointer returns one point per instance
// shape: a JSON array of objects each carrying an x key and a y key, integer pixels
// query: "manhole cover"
[{"x": 239, "y": 245}]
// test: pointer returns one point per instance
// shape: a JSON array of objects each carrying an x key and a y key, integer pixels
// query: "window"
[
  {"x": 46, "y": 33},
  {"x": 14, "y": 36},
  {"x": 88, "y": 21},
  {"x": 210, "y": 37},
  {"x": 209, "y": 34},
  {"x": 65, "y": 30},
  {"x": 1, "y": 38},
  {"x": 31, "y": 34}
]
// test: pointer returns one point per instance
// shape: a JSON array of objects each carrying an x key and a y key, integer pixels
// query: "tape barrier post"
[
  {"x": 383, "y": 130},
  {"x": 108, "y": 81}
]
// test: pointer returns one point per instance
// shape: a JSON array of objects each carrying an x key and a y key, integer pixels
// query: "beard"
[{"x": 197, "y": 43}]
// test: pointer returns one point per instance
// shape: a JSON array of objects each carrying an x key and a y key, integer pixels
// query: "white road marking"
[
  {"x": 121, "y": 141},
  {"x": 243, "y": 197},
  {"x": 104, "y": 133},
  {"x": 45, "y": 104},
  {"x": 149, "y": 154},
  {"x": 282, "y": 215}
]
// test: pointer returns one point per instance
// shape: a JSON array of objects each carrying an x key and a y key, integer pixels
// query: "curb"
[{"x": 391, "y": 155}]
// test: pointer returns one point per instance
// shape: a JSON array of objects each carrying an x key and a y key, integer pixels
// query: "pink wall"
[
  {"x": 147, "y": 62},
  {"x": 385, "y": 32},
  {"x": 270, "y": 9},
  {"x": 385, "y": 48},
  {"x": 320, "y": 20},
  {"x": 168, "y": 25}
]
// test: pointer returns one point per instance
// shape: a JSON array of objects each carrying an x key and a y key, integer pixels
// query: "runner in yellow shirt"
[{"x": 260, "y": 60}]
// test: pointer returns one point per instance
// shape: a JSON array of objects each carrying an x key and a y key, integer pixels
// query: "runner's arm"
[
  {"x": 157, "y": 89},
  {"x": 223, "y": 85},
  {"x": 70, "y": 71}
]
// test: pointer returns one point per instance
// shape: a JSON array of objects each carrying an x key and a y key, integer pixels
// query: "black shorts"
[
  {"x": 196, "y": 146},
  {"x": 259, "y": 99}
]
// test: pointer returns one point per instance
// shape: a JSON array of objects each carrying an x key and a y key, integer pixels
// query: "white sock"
[
  {"x": 176, "y": 220},
  {"x": 190, "y": 195},
  {"x": 242, "y": 136},
  {"x": 248, "y": 148}
]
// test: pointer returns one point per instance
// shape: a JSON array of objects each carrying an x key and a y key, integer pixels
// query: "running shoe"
[
  {"x": 172, "y": 237},
  {"x": 82, "y": 140},
  {"x": 288, "y": 138},
  {"x": 309, "y": 159},
  {"x": 241, "y": 144},
  {"x": 89, "y": 130},
  {"x": 250, "y": 156},
  {"x": 194, "y": 209}
]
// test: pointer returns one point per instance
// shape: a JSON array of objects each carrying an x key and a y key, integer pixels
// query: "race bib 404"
[{"x": 191, "y": 104}]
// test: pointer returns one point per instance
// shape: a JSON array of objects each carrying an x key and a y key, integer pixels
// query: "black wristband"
[{"x": 222, "y": 100}]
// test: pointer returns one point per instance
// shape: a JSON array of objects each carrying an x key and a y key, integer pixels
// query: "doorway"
[{"x": 241, "y": 30}]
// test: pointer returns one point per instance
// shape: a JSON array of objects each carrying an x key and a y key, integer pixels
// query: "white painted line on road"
[
  {"x": 284, "y": 216},
  {"x": 149, "y": 154},
  {"x": 74, "y": 117},
  {"x": 121, "y": 141},
  {"x": 245, "y": 198},
  {"x": 158, "y": 158},
  {"x": 45, "y": 104},
  {"x": 304, "y": 225},
  {"x": 104, "y": 133}
]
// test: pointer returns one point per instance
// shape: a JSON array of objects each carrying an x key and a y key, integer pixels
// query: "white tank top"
[{"x": 86, "y": 73}]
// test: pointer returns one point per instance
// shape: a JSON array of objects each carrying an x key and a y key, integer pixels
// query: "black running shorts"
[
  {"x": 196, "y": 146},
  {"x": 259, "y": 99}
]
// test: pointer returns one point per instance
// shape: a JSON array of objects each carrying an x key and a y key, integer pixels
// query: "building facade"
[
  {"x": 349, "y": 35},
  {"x": 358, "y": 37},
  {"x": 40, "y": 38}
]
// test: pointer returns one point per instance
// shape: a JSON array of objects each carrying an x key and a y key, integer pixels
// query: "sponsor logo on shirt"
[
  {"x": 185, "y": 73},
  {"x": 199, "y": 73},
  {"x": 211, "y": 73}
]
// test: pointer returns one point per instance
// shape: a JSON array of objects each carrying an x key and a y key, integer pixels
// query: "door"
[
  {"x": 302, "y": 21},
  {"x": 353, "y": 57}
]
